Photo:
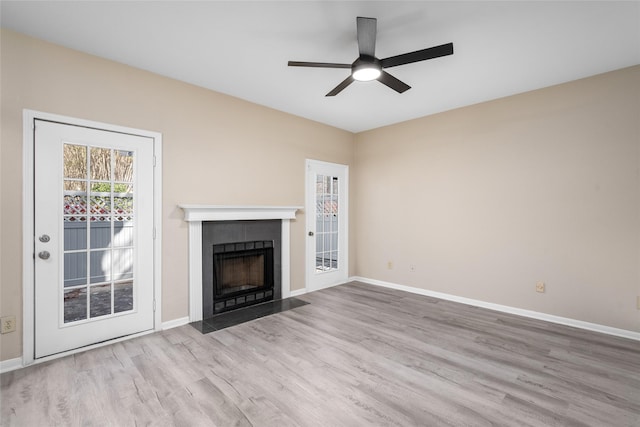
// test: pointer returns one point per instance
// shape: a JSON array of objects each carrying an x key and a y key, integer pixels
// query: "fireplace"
[
  {"x": 198, "y": 218},
  {"x": 243, "y": 274}
]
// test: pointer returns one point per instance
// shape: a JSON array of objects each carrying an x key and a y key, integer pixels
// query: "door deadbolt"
[
  {"x": 44, "y": 255},
  {"x": 44, "y": 238}
]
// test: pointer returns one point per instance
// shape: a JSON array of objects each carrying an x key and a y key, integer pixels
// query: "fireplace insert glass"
[{"x": 242, "y": 274}]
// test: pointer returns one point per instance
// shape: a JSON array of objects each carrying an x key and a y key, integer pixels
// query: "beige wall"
[
  {"x": 487, "y": 200},
  {"x": 484, "y": 200},
  {"x": 217, "y": 150}
]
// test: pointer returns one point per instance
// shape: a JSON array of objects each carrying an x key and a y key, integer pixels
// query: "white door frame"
[
  {"x": 28, "y": 215},
  {"x": 310, "y": 203}
]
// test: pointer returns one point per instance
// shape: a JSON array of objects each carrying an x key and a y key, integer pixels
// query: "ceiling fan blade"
[
  {"x": 366, "y": 36},
  {"x": 395, "y": 84},
  {"x": 317, "y": 64},
  {"x": 346, "y": 82},
  {"x": 418, "y": 55}
]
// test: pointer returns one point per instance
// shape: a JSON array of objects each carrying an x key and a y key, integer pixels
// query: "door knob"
[
  {"x": 44, "y": 238},
  {"x": 311, "y": 233},
  {"x": 44, "y": 255}
]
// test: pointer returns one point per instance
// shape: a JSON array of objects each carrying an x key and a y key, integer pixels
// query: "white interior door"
[
  {"x": 93, "y": 236},
  {"x": 327, "y": 186}
]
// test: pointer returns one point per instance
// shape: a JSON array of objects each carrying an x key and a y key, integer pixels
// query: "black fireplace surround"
[{"x": 241, "y": 264}]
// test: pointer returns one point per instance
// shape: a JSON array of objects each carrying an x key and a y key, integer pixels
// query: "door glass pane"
[
  {"x": 75, "y": 161},
  {"x": 100, "y": 164},
  {"x": 75, "y": 305},
  {"x": 122, "y": 264},
  {"x": 75, "y": 235},
  {"x": 75, "y": 199},
  {"x": 75, "y": 185},
  {"x": 100, "y": 266},
  {"x": 123, "y": 202},
  {"x": 124, "y": 166},
  {"x": 100, "y": 301},
  {"x": 100, "y": 234},
  {"x": 100, "y": 201},
  {"x": 326, "y": 223},
  {"x": 123, "y": 296},
  {"x": 98, "y": 217},
  {"x": 123, "y": 233},
  {"x": 75, "y": 269}
]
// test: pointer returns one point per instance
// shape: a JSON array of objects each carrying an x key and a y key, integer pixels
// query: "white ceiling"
[{"x": 241, "y": 48}]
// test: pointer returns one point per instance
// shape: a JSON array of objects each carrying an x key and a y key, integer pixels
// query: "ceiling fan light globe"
[{"x": 366, "y": 74}]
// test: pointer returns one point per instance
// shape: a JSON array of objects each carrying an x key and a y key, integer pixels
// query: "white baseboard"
[
  {"x": 506, "y": 309},
  {"x": 298, "y": 292},
  {"x": 175, "y": 323},
  {"x": 10, "y": 365}
]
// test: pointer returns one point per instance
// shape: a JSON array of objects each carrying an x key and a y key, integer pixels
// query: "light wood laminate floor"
[{"x": 357, "y": 355}]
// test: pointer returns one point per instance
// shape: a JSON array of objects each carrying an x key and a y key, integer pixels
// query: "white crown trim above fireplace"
[{"x": 196, "y": 214}]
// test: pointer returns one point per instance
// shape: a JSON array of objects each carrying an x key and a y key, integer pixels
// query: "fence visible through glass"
[
  {"x": 327, "y": 216},
  {"x": 98, "y": 216}
]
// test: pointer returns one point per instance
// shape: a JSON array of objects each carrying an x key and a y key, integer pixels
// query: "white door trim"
[
  {"x": 28, "y": 188},
  {"x": 310, "y": 203}
]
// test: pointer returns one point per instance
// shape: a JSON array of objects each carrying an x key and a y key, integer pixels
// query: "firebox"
[{"x": 243, "y": 274}]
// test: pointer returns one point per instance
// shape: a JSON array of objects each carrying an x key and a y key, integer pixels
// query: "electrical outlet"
[
  {"x": 540, "y": 287},
  {"x": 390, "y": 265},
  {"x": 8, "y": 324}
]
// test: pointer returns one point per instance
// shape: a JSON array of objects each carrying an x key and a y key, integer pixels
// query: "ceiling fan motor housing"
[{"x": 366, "y": 68}]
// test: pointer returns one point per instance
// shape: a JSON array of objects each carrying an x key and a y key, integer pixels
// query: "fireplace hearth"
[{"x": 242, "y": 274}]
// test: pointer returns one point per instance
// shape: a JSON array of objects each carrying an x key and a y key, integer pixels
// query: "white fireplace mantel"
[
  {"x": 234, "y": 213},
  {"x": 196, "y": 214}
]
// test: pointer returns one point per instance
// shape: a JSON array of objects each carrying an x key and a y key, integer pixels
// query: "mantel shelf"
[{"x": 231, "y": 213}]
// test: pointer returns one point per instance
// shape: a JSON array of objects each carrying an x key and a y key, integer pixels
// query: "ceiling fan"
[{"x": 367, "y": 67}]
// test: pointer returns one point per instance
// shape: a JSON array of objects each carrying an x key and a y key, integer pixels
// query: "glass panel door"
[
  {"x": 94, "y": 264},
  {"x": 327, "y": 224}
]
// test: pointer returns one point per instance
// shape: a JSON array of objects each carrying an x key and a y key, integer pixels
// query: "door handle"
[
  {"x": 44, "y": 254},
  {"x": 311, "y": 233}
]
